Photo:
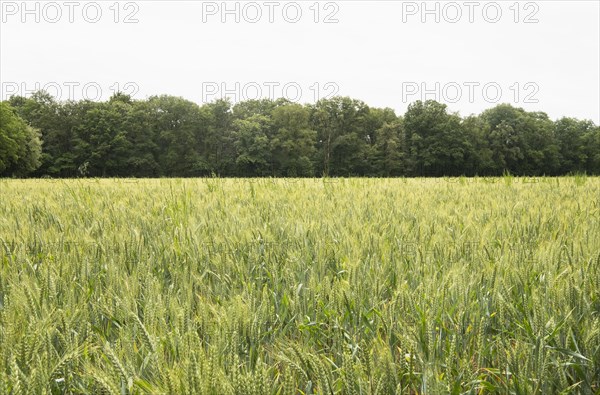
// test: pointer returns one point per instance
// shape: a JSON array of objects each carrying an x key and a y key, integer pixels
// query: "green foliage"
[
  {"x": 252, "y": 145},
  {"x": 20, "y": 144},
  {"x": 300, "y": 286},
  {"x": 522, "y": 143},
  {"x": 343, "y": 136},
  {"x": 435, "y": 141},
  {"x": 166, "y": 136},
  {"x": 293, "y": 143}
]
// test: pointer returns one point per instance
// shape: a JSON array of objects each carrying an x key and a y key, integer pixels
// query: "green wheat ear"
[
  {"x": 146, "y": 339},
  {"x": 104, "y": 382}
]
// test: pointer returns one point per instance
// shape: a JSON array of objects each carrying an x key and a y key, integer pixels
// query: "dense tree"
[
  {"x": 436, "y": 142},
  {"x": 480, "y": 157},
  {"x": 292, "y": 145},
  {"x": 264, "y": 107},
  {"x": 522, "y": 143},
  {"x": 572, "y": 136},
  {"x": 252, "y": 146},
  {"x": 592, "y": 144},
  {"x": 55, "y": 122},
  {"x": 180, "y": 127},
  {"x": 20, "y": 144},
  {"x": 218, "y": 147},
  {"x": 103, "y": 147},
  {"x": 142, "y": 160},
  {"x": 343, "y": 136},
  {"x": 340, "y": 136},
  {"x": 388, "y": 156}
]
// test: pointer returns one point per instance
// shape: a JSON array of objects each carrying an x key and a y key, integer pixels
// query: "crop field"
[{"x": 300, "y": 286}]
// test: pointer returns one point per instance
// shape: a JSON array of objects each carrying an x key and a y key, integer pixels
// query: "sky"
[{"x": 470, "y": 55}]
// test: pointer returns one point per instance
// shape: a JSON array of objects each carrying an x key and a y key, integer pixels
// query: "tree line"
[{"x": 166, "y": 136}]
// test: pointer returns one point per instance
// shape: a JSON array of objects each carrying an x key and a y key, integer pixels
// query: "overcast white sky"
[{"x": 540, "y": 55}]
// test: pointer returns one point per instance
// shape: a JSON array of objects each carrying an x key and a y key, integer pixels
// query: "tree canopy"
[
  {"x": 166, "y": 136},
  {"x": 20, "y": 144}
]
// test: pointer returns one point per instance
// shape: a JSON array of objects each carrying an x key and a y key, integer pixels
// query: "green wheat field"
[{"x": 300, "y": 286}]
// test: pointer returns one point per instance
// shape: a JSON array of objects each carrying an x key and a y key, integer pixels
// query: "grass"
[{"x": 315, "y": 286}]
